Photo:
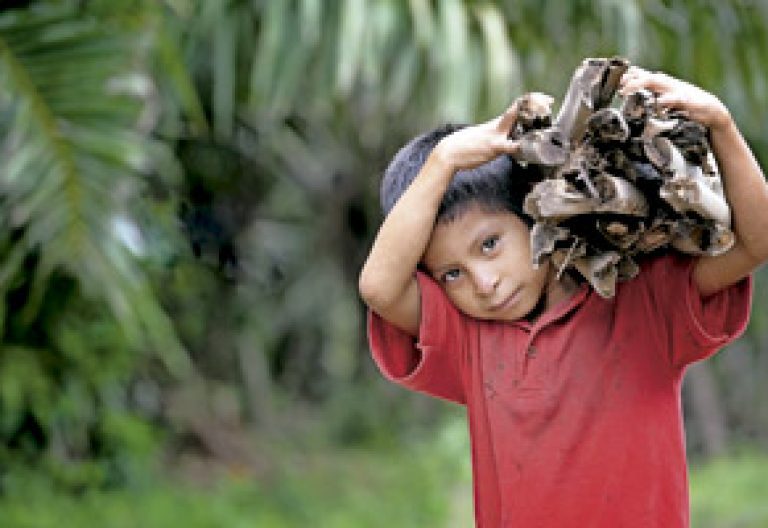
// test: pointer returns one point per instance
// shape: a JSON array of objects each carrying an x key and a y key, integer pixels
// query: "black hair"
[{"x": 498, "y": 185}]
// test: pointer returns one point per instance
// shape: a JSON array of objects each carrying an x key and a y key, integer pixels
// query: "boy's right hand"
[{"x": 474, "y": 145}]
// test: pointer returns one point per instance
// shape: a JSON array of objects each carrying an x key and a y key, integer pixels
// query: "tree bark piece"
[
  {"x": 557, "y": 200},
  {"x": 601, "y": 271},
  {"x": 618, "y": 195},
  {"x": 625, "y": 181},
  {"x": 592, "y": 87},
  {"x": 544, "y": 236}
]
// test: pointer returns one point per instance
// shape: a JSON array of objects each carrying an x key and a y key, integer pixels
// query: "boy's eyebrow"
[
  {"x": 483, "y": 232},
  {"x": 441, "y": 269},
  {"x": 479, "y": 237}
]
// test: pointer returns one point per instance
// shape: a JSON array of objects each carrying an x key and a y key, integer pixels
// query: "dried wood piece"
[
  {"x": 627, "y": 268},
  {"x": 658, "y": 235},
  {"x": 690, "y": 192},
  {"x": 612, "y": 73},
  {"x": 556, "y": 200},
  {"x": 697, "y": 238},
  {"x": 563, "y": 258},
  {"x": 623, "y": 182},
  {"x": 619, "y": 234},
  {"x": 534, "y": 112},
  {"x": 539, "y": 142},
  {"x": 601, "y": 271},
  {"x": 618, "y": 195},
  {"x": 638, "y": 105},
  {"x": 690, "y": 138},
  {"x": 544, "y": 236},
  {"x": 655, "y": 126},
  {"x": 607, "y": 125},
  {"x": 542, "y": 147},
  {"x": 592, "y": 87}
]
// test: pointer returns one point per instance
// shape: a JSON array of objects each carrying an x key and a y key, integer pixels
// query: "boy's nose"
[{"x": 486, "y": 281}]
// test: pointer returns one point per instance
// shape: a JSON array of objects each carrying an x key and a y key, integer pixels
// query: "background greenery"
[{"x": 187, "y": 191}]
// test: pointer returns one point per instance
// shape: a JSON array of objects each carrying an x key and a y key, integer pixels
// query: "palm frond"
[{"x": 72, "y": 156}]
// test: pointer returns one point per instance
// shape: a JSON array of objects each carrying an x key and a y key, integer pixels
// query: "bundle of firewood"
[{"x": 617, "y": 183}]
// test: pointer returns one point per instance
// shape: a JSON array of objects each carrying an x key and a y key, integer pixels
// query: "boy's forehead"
[
  {"x": 454, "y": 237},
  {"x": 477, "y": 215}
]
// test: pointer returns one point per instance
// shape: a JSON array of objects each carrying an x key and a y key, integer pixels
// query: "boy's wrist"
[
  {"x": 441, "y": 159},
  {"x": 722, "y": 120},
  {"x": 723, "y": 124}
]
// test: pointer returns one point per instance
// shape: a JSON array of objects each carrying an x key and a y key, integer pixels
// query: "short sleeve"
[
  {"x": 433, "y": 364},
  {"x": 694, "y": 327}
]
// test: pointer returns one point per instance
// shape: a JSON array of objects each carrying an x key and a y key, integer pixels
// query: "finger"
[
  {"x": 634, "y": 72},
  {"x": 654, "y": 81},
  {"x": 506, "y": 146},
  {"x": 508, "y": 118},
  {"x": 632, "y": 87},
  {"x": 673, "y": 100}
]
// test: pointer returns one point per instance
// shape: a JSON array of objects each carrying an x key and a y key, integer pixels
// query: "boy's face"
[{"x": 483, "y": 262}]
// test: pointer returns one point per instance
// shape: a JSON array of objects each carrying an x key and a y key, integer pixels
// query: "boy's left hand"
[
  {"x": 743, "y": 179},
  {"x": 699, "y": 105}
]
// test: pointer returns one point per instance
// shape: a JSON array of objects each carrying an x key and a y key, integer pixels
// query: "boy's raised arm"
[
  {"x": 387, "y": 281},
  {"x": 743, "y": 180}
]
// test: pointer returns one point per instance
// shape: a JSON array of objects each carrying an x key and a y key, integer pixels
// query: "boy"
[{"x": 573, "y": 400}]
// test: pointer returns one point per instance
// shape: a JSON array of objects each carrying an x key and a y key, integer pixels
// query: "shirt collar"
[{"x": 558, "y": 311}]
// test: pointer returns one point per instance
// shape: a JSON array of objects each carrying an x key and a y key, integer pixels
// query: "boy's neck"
[{"x": 556, "y": 291}]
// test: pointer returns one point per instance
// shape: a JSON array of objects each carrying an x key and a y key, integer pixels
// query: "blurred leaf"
[{"x": 70, "y": 144}]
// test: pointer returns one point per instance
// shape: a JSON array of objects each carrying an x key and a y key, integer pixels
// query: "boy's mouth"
[{"x": 507, "y": 301}]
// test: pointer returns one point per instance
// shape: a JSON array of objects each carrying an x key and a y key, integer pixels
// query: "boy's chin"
[{"x": 528, "y": 313}]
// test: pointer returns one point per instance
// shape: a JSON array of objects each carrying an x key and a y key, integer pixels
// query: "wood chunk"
[
  {"x": 612, "y": 73},
  {"x": 544, "y": 236},
  {"x": 600, "y": 271},
  {"x": 592, "y": 87},
  {"x": 698, "y": 238},
  {"x": 627, "y": 268},
  {"x": 619, "y": 234},
  {"x": 556, "y": 200},
  {"x": 655, "y": 126},
  {"x": 607, "y": 125},
  {"x": 689, "y": 192},
  {"x": 690, "y": 138},
  {"x": 658, "y": 235},
  {"x": 563, "y": 258},
  {"x": 534, "y": 112},
  {"x": 618, "y": 195},
  {"x": 623, "y": 181},
  {"x": 543, "y": 147},
  {"x": 638, "y": 105}
]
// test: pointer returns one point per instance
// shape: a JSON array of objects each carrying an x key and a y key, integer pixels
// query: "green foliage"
[
  {"x": 730, "y": 492},
  {"x": 426, "y": 484},
  {"x": 327, "y": 489},
  {"x": 77, "y": 310},
  {"x": 66, "y": 406},
  {"x": 268, "y": 123},
  {"x": 74, "y": 155}
]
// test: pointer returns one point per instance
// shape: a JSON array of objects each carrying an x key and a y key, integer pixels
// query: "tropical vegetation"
[{"x": 187, "y": 191}]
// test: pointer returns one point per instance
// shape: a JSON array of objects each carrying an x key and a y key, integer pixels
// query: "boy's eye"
[
  {"x": 489, "y": 244},
  {"x": 451, "y": 275}
]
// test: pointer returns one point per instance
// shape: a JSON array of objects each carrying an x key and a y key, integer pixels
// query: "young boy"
[{"x": 573, "y": 400}]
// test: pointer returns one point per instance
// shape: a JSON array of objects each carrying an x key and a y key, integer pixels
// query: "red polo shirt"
[{"x": 574, "y": 420}]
